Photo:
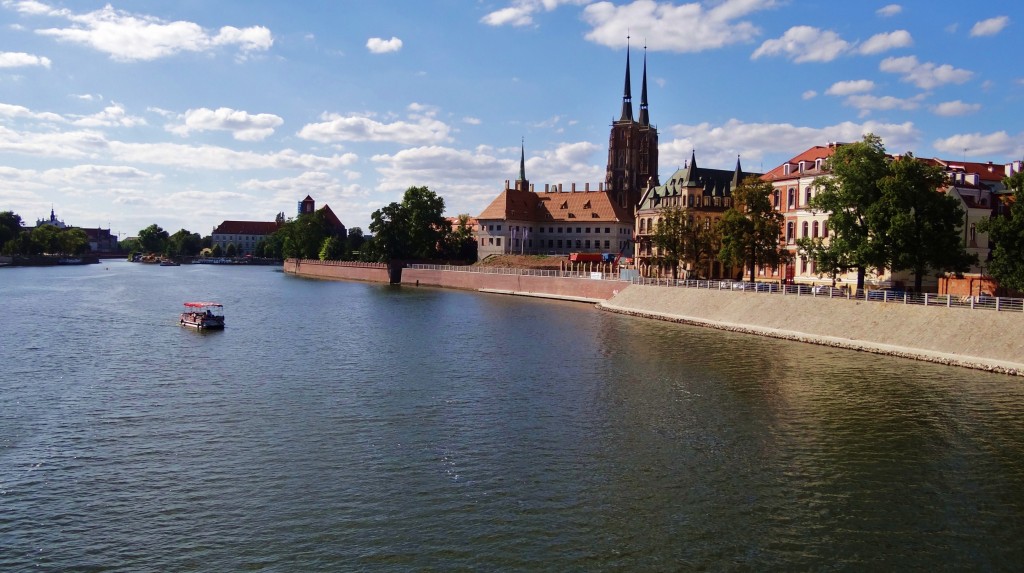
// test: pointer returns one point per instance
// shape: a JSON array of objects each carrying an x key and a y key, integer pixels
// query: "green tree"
[
  {"x": 332, "y": 249},
  {"x": 153, "y": 239},
  {"x": 355, "y": 240},
  {"x": 460, "y": 244},
  {"x": 47, "y": 240},
  {"x": 1007, "y": 234},
  {"x": 750, "y": 228},
  {"x": 917, "y": 226},
  {"x": 683, "y": 241},
  {"x": 413, "y": 229},
  {"x": 73, "y": 241},
  {"x": 303, "y": 236},
  {"x": 10, "y": 226},
  {"x": 185, "y": 243},
  {"x": 848, "y": 195},
  {"x": 230, "y": 251},
  {"x": 217, "y": 251}
]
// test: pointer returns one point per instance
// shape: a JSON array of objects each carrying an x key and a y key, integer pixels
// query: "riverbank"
[
  {"x": 982, "y": 339},
  {"x": 972, "y": 338}
]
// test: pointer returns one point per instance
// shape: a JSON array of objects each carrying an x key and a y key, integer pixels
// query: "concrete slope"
[{"x": 977, "y": 338}]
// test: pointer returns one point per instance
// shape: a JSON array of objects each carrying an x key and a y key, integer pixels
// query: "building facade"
[
  {"x": 704, "y": 195},
  {"x": 632, "y": 149}
]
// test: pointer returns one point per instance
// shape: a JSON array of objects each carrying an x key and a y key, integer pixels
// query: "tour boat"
[{"x": 203, "y": 315}]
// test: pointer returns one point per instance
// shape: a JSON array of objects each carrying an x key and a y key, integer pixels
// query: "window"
[
  {"x": 498, "y": 242},
  {"x": 775, "y": 198},
  {"x": 789, "y": 232},
  {"x": 483, "y": 242},
  {"x": 803, "y": 230},
  {"x": 559, "y": 229},
  {"x": 586, "y": 243},
  {"x": 606, "y": 243},
  {"x": 490, "y": 240},
  {"x": 499, "y": 227},
  {"x": 578, "y": 243},
  {"x": 578, "y": 229},
  {"x": 588, "y": 230},
  {"x": 559, "y": 243},
  {"x": 814, "y": 230},
  {"x": 792, "y": 197},
  {"x": 807, "y": 197},
  {"x": 824, "y": 228},
  {"x": 607, "y": 231},
  {"x": 642, "y": 225},
  {"x": 551, "y": 243}
]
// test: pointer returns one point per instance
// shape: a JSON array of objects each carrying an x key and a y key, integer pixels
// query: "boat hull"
[{"x": 202, "y": 322}]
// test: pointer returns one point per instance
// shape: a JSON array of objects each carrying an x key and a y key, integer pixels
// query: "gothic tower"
[{"x": 632, "y": 148}]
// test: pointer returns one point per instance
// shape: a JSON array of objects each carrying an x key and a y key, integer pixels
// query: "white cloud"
[
  {"x": 890, "y": 10},
  {"x": 22, "y": 112},
  {"x": 521, "y": 12},
  {"x": 867, "y": 102},
  {"x": 321, "y": 185},
  {"x": 382, "y": 46},
  {"x": 718, "y": 145},
  {"x": 804, "y": 44},
  {"x": 999, "y": 143},
  {"x": 850, "y": 87},
  {"x": 662, "y": 24},
  {"x": 990, "y": 27},
  {"x": 471, "y": 120},
  {"x": 809, "y": 94},
  {"x": 423, "y": 129},
  {"x": 924, "y": 75},
  {"x": 242, "y": 125},
  {"x": 886, "y": 41},
  {"x": 113, "y": 115},
  {"x": 128, "y": 37},
  {"x": 954, "y": 108},
  {"x": 21, "y": 60}
]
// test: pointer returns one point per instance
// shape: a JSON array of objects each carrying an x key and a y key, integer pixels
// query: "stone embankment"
[
  {"x": 974, "y": 338},
  {"x": 978, "y": 338}
]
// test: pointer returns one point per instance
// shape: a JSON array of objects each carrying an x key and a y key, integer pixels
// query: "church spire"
[
  {"x": 522, "y": 161},
  {"x": 627, "y": 97},
  {"x": 645, "y": 120},
  {"x": 737, "y": 175}
]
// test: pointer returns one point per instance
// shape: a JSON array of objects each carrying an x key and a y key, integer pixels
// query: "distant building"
[
  {"x": 52, "y": 221},
  {"x": 100, "y": 240},
  {"x": 520, "y": 221},
  {"x": 244, "y": 235},
  {"x": 308, "y": 206},
  {"x": 632, "y": 149}
]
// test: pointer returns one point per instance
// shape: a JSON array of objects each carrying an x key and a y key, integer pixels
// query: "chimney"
[
  {"x": 547, "y": 188},
  {"x": 506, "y": 185},
  {"x": 587, "y": 187}
]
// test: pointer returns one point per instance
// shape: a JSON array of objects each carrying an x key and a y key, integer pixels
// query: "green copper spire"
[{"x": 522, "y": 161}]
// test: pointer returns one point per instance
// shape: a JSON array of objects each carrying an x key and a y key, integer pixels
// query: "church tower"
[{"x": 632, "y": 148}]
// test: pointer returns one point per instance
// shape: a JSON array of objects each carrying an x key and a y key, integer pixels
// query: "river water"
[{"x": 341, "y": 426}]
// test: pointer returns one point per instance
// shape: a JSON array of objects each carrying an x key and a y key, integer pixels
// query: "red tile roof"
[
  {"x": 578, "y": 206},
  {"x": 246, "y": 228},
  {"x": 809, "y": 157}
]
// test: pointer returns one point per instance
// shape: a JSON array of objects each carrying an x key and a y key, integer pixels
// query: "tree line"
[
  {"x": 40, "y": 240},
  {"x": 884, "y": 213}
]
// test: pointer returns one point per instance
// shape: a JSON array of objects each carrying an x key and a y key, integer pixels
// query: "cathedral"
[
  {"x": 632, "y": 149},
  {"x": 557, "y": 222}
]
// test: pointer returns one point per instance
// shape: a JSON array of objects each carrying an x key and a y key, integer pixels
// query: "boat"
[
  {"x": 169, "y": 263},
  {"x": 203, "y": 316}
]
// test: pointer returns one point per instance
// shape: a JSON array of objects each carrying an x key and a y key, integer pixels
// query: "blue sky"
[{"x": 191, "y": 112}]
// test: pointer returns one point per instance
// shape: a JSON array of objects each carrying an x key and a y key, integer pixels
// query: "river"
[{"x": 340, "y": 426}]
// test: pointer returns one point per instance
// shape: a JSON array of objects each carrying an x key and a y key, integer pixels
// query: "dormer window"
[
  {"x": 801, "y": 166},
  {"x": 785, "y": 169},
  {"x": 565, "y": 205},
  {"x": 586, "y": 205}
]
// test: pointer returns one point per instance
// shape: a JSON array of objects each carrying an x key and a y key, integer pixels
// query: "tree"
[
  {"x": 302, "y": 237},
  {"x": 332, "y": 249},
  {"x": 460, "y": 243},
  {"x": 153, "y": 239},
  {"x": 230, "y": 251},
  {"x": 10, "y": 226},
  {"x": 413, "y": 229},
  {"x": 46, "y": 239},
  {"x": 73, "y": 241},
  {"x": 1007, "y": 233},
  {"x": 216, "y": 251},
  {"x": 355, "y": 239},
  {"x": 916, "y": 226},
  {"x": 750, "y": 229},
  {"x": 184, "y": 243},
  {"x": 848, "y": 195},
  {"x": 682, "y": 241}
]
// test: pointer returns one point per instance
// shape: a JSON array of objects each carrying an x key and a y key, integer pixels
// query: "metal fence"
[
  {"x": 880, "y": 295},
  {"x": 818, "y": 291}
]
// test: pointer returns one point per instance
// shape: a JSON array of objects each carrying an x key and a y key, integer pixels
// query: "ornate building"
[
  {"x": 704, "y": 195},
  {"x": 632, "y": 149}
]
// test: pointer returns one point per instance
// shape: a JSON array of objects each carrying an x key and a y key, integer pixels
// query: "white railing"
[
  {"x": 881, "y": 295},
  {"x": 516, "y": 271}
]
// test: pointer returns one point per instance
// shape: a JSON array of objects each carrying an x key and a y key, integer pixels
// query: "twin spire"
[{"x": 627, "y": 96}]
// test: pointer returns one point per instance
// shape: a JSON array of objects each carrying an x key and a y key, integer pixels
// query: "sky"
[{"x": 188, "y": 113}]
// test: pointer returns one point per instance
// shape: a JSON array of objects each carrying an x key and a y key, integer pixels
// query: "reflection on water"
[{"x": 356, "y": 426}]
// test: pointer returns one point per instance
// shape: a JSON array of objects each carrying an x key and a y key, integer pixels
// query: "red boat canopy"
[{"x": 202, "y": 304}]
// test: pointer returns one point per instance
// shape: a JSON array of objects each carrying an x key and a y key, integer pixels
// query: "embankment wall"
[
  {"x": 337, "y": 270},
  {"x": 977, "y": 338},
  {"x": 554, "y": 287}
]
